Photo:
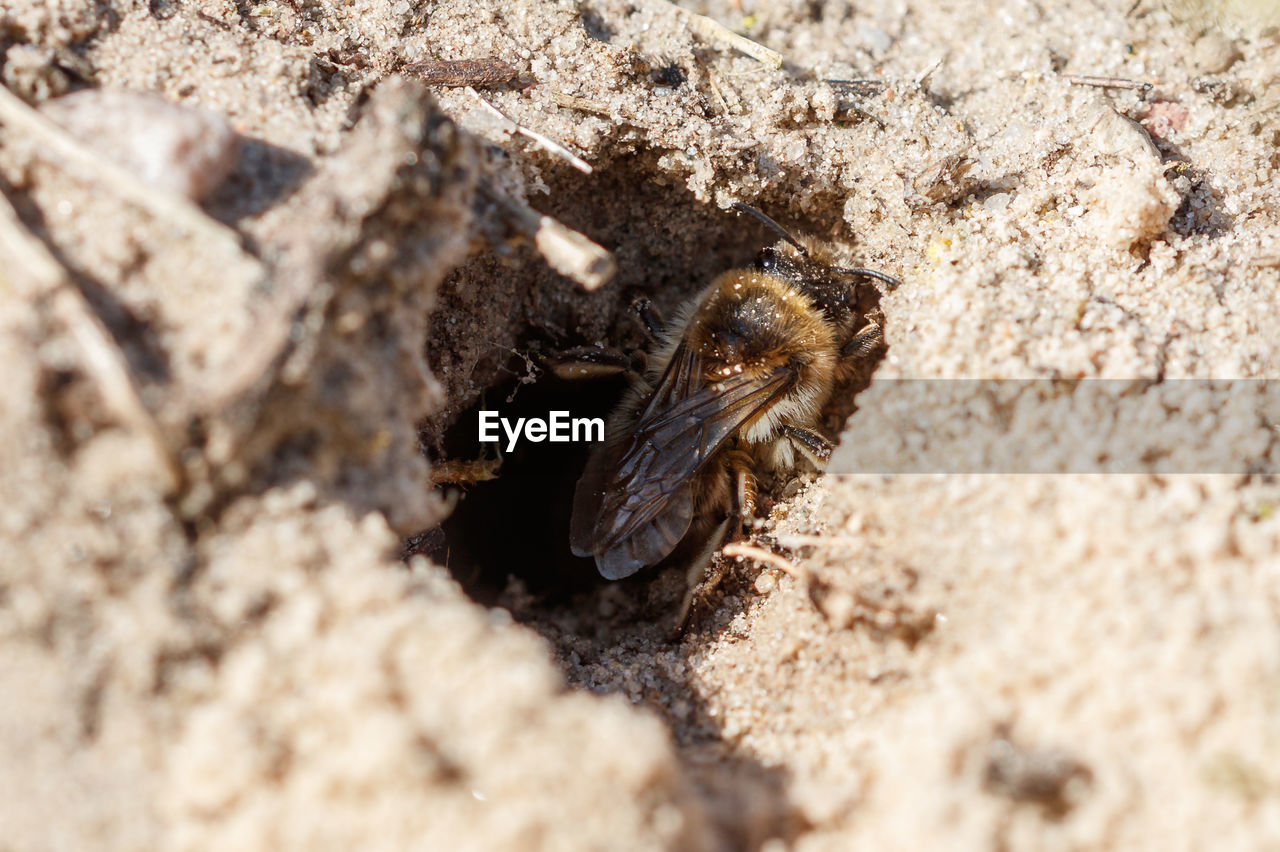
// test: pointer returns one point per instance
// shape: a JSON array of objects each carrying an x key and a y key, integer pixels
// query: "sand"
[{"x": 224, "y": 389}]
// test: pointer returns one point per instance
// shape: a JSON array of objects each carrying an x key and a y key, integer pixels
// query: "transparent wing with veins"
[{"x": 643, "y": 490}]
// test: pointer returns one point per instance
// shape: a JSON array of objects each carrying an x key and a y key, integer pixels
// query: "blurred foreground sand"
[{"x": 210, "y": 448}]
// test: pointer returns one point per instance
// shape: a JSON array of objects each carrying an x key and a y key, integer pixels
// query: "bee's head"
[
  {"x": 777, "y": 260},
  {"x": 796, "y": 264},
  {"x": 810, "y": 266},
  {"x": 801, "y": 270}
]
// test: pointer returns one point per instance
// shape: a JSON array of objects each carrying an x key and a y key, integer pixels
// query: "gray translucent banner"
[{"x": 1061, "y": 426}]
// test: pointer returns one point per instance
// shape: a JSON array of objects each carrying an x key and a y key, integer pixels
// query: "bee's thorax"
[{"x": 753, "y": 323}]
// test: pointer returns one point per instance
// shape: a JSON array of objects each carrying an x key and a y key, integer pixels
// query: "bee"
[{"x": 734, "y": 388}]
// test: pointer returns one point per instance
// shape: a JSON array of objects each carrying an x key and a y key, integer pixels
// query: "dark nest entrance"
[{"x": 518, "y": 523}]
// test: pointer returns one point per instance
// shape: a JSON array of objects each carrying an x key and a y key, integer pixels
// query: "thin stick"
[
  {"x": 28, "y": 258},
  {"x": 61, "y": 149},
  {"x": 739, "y": 549},
  {"x": 1107, "y": 82},
  {"x": 544, "y": 142},
  {"x": 34, "y": 265},
  {"x": 566, "y": 251},
  {"x": 715, "y": 88},
  {"x": 581, "y": 104},
  {"x": 862, "y": 88},
  {"x": 713, "y": 30},
  {"x": 573, "y": 254},
  {"x": 485, "y": 71},
  {"x": 923, "y": 76}
]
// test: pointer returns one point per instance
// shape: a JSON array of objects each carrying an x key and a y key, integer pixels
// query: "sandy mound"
[{"x": 237, "y": 315}]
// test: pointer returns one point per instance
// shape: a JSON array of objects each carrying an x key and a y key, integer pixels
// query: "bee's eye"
[{"x": 767, "y": 259}]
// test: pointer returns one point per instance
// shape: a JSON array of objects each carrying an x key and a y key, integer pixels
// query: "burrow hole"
[{"x": 497, "y": 315}]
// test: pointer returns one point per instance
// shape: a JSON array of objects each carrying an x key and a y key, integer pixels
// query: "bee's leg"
[
  {"x": 702, "y": 576},
  {"x": 816, "y": 448},
  {"x": 649, "y": 316},
  {"x": 705, "y": 573},
  {"x": 865, "y": 343},
  {"x": 744, "y": 486},
  {"x": 592, "y": 362},
  {"x": 455, "y": 472}
]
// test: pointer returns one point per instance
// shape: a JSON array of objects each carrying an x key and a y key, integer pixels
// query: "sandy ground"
[{"x": 238, "y": 317}]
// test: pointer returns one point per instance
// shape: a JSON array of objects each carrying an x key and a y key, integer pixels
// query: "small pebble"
[
  {"x": 838, "y": 607},
  {"x": 997, "y": 202},
  {"x": 874, "y": 39},
  {"x": 824, "y": 103},
  {"x": 179, "y": 149},
  {"x": 1215, "y": 53}
]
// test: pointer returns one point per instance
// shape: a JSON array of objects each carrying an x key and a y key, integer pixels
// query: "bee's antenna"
[
  {"x": 770, "y": 224},
  {"x": 893, "y": 283}
]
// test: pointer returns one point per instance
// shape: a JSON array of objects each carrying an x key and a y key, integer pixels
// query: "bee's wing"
[
  {"x": 646, "y": 496},
  {"x": 588, "y": 496},
  {"x": 678, "y": 381}
]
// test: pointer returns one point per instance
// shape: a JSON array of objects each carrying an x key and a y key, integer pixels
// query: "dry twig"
[
  {"x": 568, "y": 252},
  {"x": 923, "y": 76},
  {"x": 25, "y": 256},
  {"x": 714, "y": 31},
  {"x": 581, "y": 104},
  {"x": 860, "y": 88},
  {"x": 742, "y": 550},
  {"x": 544, "y": 142},
  {"x": 486, "y": 71},
  {"x": 1107, "y": 82},
  {"x": 715, "y": 87}
]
